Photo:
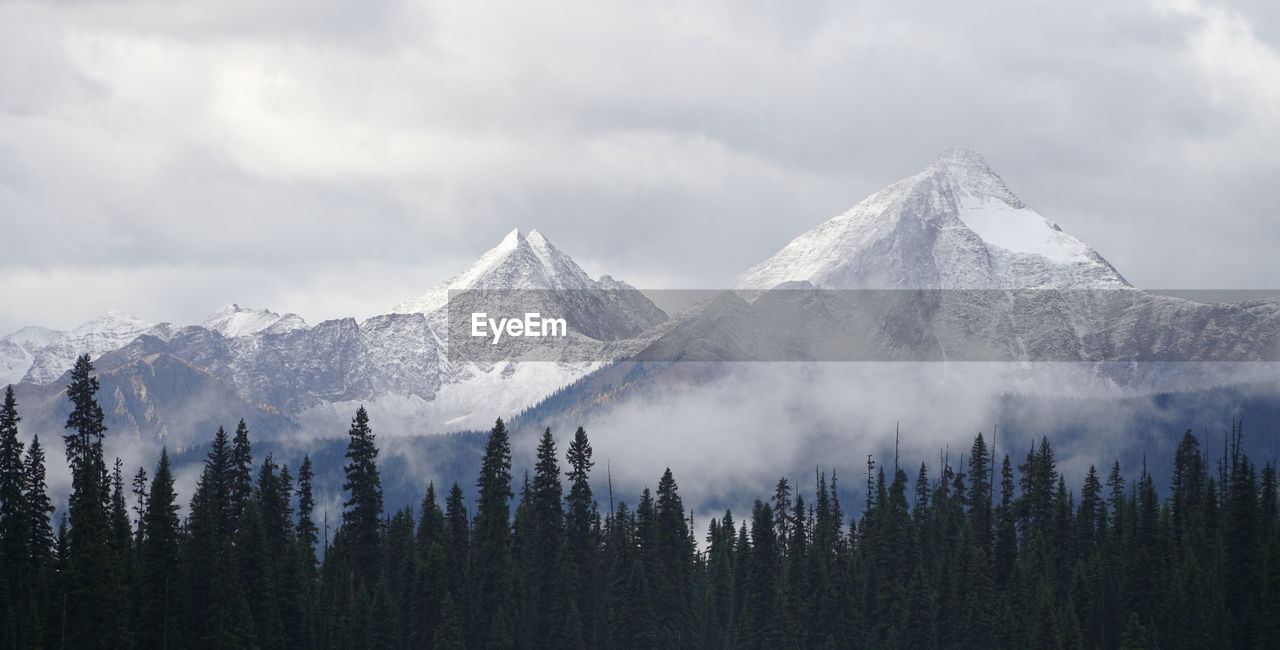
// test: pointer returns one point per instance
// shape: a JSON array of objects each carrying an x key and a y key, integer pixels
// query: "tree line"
[{"x": 985, "y": 554}]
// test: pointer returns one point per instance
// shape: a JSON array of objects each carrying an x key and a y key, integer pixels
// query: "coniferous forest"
[{"x": 993, "y": 553}]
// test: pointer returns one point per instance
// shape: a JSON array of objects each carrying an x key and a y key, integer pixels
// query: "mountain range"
[{"x": 971, "y": 270}]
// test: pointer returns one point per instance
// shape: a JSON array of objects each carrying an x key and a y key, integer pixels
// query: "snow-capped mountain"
[
  {"x": 396, "y": 362},
  {"x": 991, "y": 280},
  {"x": 985, "y": 278},
  {"x": 954, "y": 225},
  {"x": 528, "y": 271},
  {"x": 39, "y": 355},
  {"x": 518, "y": 263},
  {"x": 232, "y": 320}
]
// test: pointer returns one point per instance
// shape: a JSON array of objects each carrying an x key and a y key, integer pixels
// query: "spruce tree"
[
  {"x": 672, "y": 582},
  {"x": 580, "y": 542},
  {"x": 14, "y": 566},
  {"x": 980, "y": 492},
  {"x": 241, "y": 486},
  {"x": 89, "y": 593},
  {"x": 214, "y": 604},
  {"x": 41, "y": 594},
  {"x": 123, "y": 572},
  {"x": 494, "y": 610},
  {"x": 159, "y": 557},
  {"x": 547, "y": 541},
  {"x": 307, "y": 532},
  {"x": 760, "y": 629},
  {"x": 457, "y": 545},
  {"x": 364, "y": 502}
]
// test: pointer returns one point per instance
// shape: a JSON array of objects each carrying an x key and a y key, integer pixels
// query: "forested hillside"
[{"x": 993, "y": 552}]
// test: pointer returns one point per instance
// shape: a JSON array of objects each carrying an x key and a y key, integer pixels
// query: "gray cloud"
[{"x": 335, "y": 159}]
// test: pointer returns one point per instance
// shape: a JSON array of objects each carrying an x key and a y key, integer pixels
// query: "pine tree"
[
  {"x": 580, "y": 542},
  {"x": 760, "y": 629},
  {"x": 307, "y": 532},
  {"x": 1187, "y": 481},
  {"x": 159, "y": 557},
  {"x": 494, "y": 609},
  {"x": 457, "y": 546},
  {"x": 122, "y": 573},
  {"x": 241, "y": 487},
  {"x": 14, "y": 567},
  {"x": 304, "y": 575},
  {"x": 214, "y": 605},
  {"x": 1006, "y": 547},
  {"x": 1241, "y": 543},
  {"x": 781, "y": 505},
  {"x": 547, "y": 540},
  {"x": 980, "y": 492},
  {"x": 431, "y": 526},
  {"x": 42, "y": 602},
  {"x": 89, "y": 593},
  {"x": 1090, "y": 508},
  {"x": 675, "y": 561},
  {"x": 364, "y": 503}
]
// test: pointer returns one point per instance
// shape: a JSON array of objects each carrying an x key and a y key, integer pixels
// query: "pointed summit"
[
  {"x": 518, "y": 262},
  {"x": 972, "y": 177},
  {"x": 511, "y": 241},
  {"x": 954, "y": 225}
]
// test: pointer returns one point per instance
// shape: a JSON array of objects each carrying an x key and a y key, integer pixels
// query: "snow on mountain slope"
[
  {"x": 1021, "y": 231},
  {"x": 954, "y": 225},
  {"x": 232, "y": 320},
  {"x": 19, "y": 349},
  {"x": 107, "y": 332},
  {"x": 517, "y": 263}
]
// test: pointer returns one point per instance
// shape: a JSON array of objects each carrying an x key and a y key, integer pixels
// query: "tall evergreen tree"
[
  {"x": 14, "y": 565},
  {"x": 159, "y": 557},
  {"x": 672, "y": 582},
  {"x": 307, "y": 532},
  {"x": 1090, "y": 508},
  {"x": 123, "y": 566},
  {"x": 547, "y": 541},
  {"x": 980, "y": 475},
  {"x": 40, "y": 546},
  {"x": 494, "y": 613},
  {"x": 1187, "y": 482},
  {"x": 241, "y": 487},
  {"x": 760, "y": 627},
  {"x": 457, "y": 543},
  {"x": 215, "y": 609},
  {"x": 580, "y": 542},
  {"x": 89, "y": 593},
  {"x": 364, "y": 503}
]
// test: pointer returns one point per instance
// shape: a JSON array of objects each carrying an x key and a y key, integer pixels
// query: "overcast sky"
[{"x": 332, "y": 158}]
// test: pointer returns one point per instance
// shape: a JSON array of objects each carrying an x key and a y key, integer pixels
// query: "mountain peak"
[
  {"x": 231, "y": 320},
  {"x": 511, "y": 241},
  {"x": 955, "y": 225},
  {"x": 518, "y": 262},
  {"x": 960, "y": 156},
  {"x": 972, "y": 176}
]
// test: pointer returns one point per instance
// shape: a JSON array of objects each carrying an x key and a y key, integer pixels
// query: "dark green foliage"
[
  {"x": 215, "y": 609},
  {"x": 15, "y": 568},
  {"x": 972, "y": 558},
  {"x": 159, "y": 554},
  {"x": 364, "y": 500},
  {"x": 494, "y": 612},
  {"x": 92, "y": 579}
]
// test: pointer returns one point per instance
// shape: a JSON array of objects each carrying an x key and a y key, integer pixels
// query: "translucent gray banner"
[{"x": 800, "y": 323}]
